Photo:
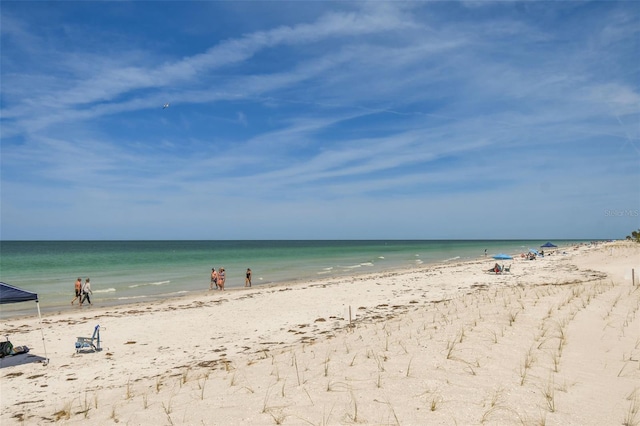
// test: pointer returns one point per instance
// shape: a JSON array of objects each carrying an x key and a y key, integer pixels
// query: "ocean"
[{"x": 124, "y": 272}]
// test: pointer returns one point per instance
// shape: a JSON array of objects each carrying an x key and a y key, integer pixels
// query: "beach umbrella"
[
  {"x": 534, "y": 251},
  {"x": 502, "y": 256},
  {"x": 548, "y": 245}
]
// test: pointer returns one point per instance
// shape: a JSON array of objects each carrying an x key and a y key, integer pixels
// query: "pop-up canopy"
[{"x": 11, "y": 294}]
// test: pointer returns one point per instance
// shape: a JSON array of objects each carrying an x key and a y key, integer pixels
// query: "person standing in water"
[
  {"x": 78, "y": 289},
  {"x": 86, "y": 290},
  {"x": 221, "y": 278},
  {"x": 214, "y": 279},
  {"x": 247, "y": 280}
]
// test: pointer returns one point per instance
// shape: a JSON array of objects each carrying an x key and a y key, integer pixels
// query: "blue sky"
[{"x": 319, "y": 120}]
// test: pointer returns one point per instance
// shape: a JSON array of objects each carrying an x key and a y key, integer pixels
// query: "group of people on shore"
[
  {"x": 219, "y": 277},
  {"x": 82, "y": 291},
  {"x": 531, "y": 255}
]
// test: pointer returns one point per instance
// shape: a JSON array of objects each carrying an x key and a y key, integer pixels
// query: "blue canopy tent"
[
  {"x": 11, "y": 294},
  {"x": 548, "y": 245}
]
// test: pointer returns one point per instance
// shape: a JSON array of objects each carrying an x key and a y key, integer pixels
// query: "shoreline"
[
  {"x": 147, "y": 276},
  {"x": 25, "y": 312},
  {"x": 189, "y": 294},
  {"x": 288, "y": 352}
]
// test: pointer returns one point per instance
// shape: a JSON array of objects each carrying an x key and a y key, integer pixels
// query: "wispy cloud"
[{"x": 361, "y": 105}]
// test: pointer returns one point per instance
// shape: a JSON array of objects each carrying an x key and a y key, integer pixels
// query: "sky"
[{"x": 319, "y": 120}]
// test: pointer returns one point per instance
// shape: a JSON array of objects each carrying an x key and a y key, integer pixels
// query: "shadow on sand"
[{"x": 21, "y": 359}]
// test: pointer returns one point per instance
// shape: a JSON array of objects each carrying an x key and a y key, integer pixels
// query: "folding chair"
[{"x": 89, "y": 343}]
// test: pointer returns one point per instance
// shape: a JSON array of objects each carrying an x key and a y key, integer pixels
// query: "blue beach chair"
[{"x": 91, "y": 344}]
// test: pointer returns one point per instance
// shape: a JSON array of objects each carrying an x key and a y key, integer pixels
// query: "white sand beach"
[{"x": 555, "y": 341}]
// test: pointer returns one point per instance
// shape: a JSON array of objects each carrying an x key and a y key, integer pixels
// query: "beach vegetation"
[
  {"x": 542, "y": 420},
  {"x": 353, "y": 361},
  {"x": 555, "y": 357},
  {"x": 380, "y": 362},
  {"x": 461, "y": 335},
  {"x": 354, "y": 416},
  {"x": 487, "y": 414},
  {"x": 325, "y": 417},
  {"x": 529, "y": 358},
  {"x": 85, "y": 407},
  {"x": 549, "y": 395},
  {"x": 634, "y": 236},
  {"x": 631, "y": 417},
  {"x": 308, "y": 395},
  {"x": 622, "y": 369},
  {"x": 65, "y": 413},
  {"x": 451, "y": 345},
  {"x": 549, "y": 313},
  {"x": 265, "y": 408},
  {"x": 470, "y": 366},
  {"x": 512, "y": 317},
  {"x": 183, "y": 376},
  {"x": 277, "y": 415},
  {"x": 295, "y": 363},
  {"x": 497, "y": 397},
  {"x": 326, "y": 365},
  {"x": 276, "y": 372},
  {"x": 435, "y": 401},
  {"x": 168, "y": 408},
  {"x": 129, "y": 392},
  {"x": 495, "y": 336},
  {"x": 523, "y": 373}
]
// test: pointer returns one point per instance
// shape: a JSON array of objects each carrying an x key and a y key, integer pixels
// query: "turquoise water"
[{"x": 124, "y": 272}]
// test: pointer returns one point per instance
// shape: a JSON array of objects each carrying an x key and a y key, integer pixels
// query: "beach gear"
[
  {"x": 89, "y": 343},
  {"x": 502, "y": 256},
  {"x": 6, "y": 349}
]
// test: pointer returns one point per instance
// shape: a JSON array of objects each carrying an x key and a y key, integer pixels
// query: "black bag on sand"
[{"x": 6, "y": 349}]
